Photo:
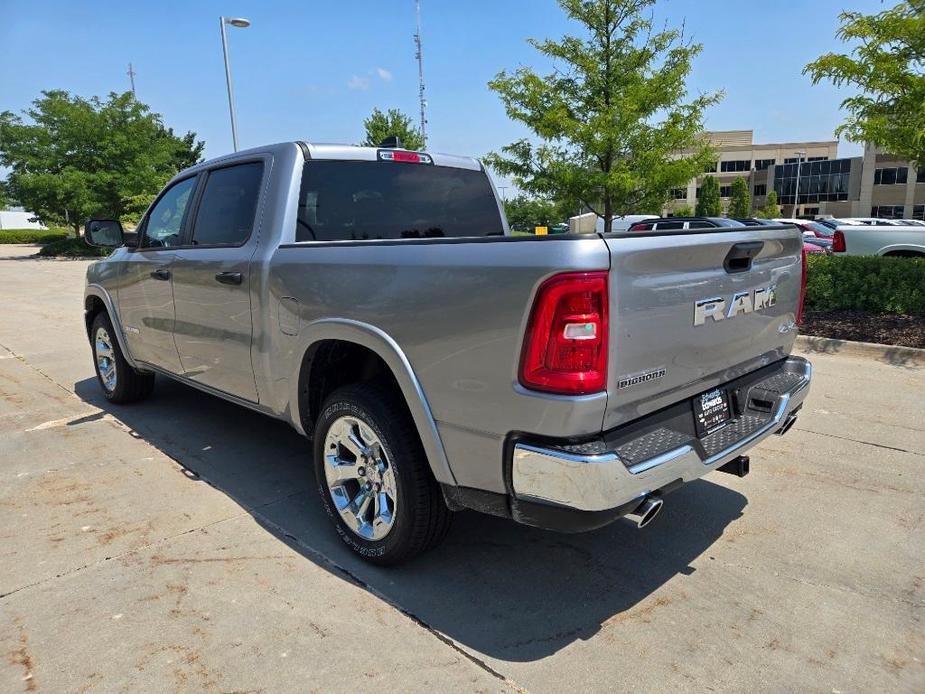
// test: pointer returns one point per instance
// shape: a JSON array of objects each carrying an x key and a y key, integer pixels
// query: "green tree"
[
  {"x": 708, "y": 203},
  {"x": 525, "y": 213},
  {"x": 771, "y": 210},
  {"x": 393, "y": 122},
  {"x": 683, "y": 211},
  {"x": 80, "y": 158},
  {"x": 886, "y": 67},
  {"x": 612, "y": 126},
  {"x": 740, "y": 204}
]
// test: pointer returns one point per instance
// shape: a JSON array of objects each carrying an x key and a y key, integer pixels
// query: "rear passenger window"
[
  {"x": 700, "y": 225},
  {"x": 668, "y": 226},
  {"x": 228, "y": 205}
]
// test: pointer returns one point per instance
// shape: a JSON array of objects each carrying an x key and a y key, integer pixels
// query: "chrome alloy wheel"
[
  {"x": 105, "y": 359},
  {"x": 360, "y": 478}
]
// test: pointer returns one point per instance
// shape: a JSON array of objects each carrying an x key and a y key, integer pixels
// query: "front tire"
[
  {"x": 119, "y": 381},
  {"x": 373, "y": 477}
]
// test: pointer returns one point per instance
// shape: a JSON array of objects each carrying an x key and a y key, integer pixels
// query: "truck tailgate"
[{"x": 662, "y": 349}]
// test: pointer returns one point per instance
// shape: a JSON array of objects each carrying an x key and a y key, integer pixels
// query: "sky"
[{"x": 313, "y": 69}]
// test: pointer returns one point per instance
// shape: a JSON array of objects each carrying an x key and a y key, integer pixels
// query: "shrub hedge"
[
  {"x": 72, "y": 248},
  {"x": 32, "y": 235},
  {"x": 865, "y": 283}
]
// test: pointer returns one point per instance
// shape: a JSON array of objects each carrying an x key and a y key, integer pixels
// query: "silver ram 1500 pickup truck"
[{"x": 375, "y": 299}]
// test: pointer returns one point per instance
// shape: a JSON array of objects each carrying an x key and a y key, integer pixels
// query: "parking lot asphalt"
[{"x": 177, "y": 545}]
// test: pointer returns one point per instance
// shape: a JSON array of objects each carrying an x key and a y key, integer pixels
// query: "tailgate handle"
[{"x": 739, "y": 258}]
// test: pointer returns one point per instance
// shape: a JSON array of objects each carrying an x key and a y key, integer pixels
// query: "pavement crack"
[
  {"x": 25, "y": 362},
  {"x": 356, "y": 580},
  {"x": 129, "y": 552},
  {"x": 865, "y": 443}
]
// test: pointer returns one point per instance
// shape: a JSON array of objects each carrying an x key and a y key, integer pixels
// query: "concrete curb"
[{"x": 888, "y": 354}]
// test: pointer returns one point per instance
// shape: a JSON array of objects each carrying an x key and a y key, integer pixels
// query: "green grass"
[
  {"x": 32, "y": 235},
  {"x": 72, "y": 248}
]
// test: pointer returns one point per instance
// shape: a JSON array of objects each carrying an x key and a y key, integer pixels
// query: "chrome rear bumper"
[{"x": 605, "y": 480}]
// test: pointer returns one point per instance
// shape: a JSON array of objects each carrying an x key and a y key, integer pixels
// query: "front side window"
[
  {"x": 228, "y": 205},
  {"x": 359, "y": 200},
  {"x": 165, "y": 222}
]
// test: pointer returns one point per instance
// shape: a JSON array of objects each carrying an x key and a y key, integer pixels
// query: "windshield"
[{"x": 358, "y": 200}]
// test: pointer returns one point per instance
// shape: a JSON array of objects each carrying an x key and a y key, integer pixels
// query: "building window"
[
  {"x": 891, "y": 176},
  {"x": 710, "y": 168},
  {"x": 698, "y": 192},
  {"x": 822, "y": 180},
  {"x": 679, "y": 193},
  {"x": 725, "y": 191},
  {"x": 920, "y": 178},
  {"x": 760, "y": 189},
  {"x": 762, "y": 164},
  {"x": 918, "y": 212},
  {"x": 887, "y": 211},
  {"x": 816, "y": 158},
  {"x": 735, "y": 165},
  {"x": 791, "y": 160}
]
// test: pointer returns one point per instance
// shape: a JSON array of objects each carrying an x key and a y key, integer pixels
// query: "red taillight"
[
  {"x": 802, "y": 289},
  {"x": 565, "y": 348},
  {"x": 838, "y": 242}
]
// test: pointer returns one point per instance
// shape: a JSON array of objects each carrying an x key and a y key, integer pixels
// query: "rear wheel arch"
[{"x": 364, "y": 353}]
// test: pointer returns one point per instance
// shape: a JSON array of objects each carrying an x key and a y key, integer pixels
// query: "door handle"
[
  {"x": 161, "y": 273},
  {"x": 229, "y": 277}
]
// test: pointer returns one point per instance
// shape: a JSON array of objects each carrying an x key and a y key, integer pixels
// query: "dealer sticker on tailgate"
[{"x": 711, "y": 411}]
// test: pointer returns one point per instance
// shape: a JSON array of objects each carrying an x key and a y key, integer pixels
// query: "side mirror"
[{"x": 104, "y": 233}]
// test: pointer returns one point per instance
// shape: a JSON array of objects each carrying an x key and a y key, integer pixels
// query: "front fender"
[
  {"x": 388, "y": 349},
  {"x": 98, "y": 291}
]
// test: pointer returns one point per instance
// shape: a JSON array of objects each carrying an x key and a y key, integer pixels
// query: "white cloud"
[
  {"x": 384, "y": 74},
  {"x": 357, "y": 82}
]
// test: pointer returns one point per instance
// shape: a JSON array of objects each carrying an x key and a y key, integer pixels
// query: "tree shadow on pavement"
[{"x": 504, "y": 590}]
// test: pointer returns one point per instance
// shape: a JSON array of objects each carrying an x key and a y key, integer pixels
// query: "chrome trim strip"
[
  {"x": 608, "y": 457},
  {"x": 679, "y": 452}
]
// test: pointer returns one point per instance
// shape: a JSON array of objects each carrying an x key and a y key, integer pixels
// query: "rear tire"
[
  {"x": 119, "y": 381},
  {"x": 373, "y": 476}
]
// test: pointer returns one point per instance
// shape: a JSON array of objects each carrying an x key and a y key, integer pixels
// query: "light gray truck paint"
[
  {"x": 883, "y": 239},
  {"x": 447, "y": 316}
]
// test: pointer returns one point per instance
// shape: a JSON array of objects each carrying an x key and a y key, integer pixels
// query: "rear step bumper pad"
[{"x": 605, "y": 481}]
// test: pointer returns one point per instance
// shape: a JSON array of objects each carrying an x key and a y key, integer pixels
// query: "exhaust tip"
[
  {"x": 791, "y": 420},
  {"x": 646, "y": 512}
]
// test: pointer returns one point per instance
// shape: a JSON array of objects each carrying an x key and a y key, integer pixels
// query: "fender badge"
[{"x": 642, "y": 377}]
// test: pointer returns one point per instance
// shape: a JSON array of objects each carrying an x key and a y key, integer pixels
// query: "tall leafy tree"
[
  {"x": 740, "y": 205},
  {"x": 393, "y": 122},
  {"x": 887, "y": 67},
  {"x": 612, "y": 125},
  {"x": 771, "y": 210},
  {"x": 77, "y": 158},
  {"x": 708, "y": 202},
  {"x": 526, "y": 213}
]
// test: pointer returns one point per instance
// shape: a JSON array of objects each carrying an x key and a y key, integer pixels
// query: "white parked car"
[{"x": 880, "y": 239}]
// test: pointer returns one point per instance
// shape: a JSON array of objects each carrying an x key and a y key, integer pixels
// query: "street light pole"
[
  {"x": 241, "y": 23},
  {"x": 796, "y": 195}
]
